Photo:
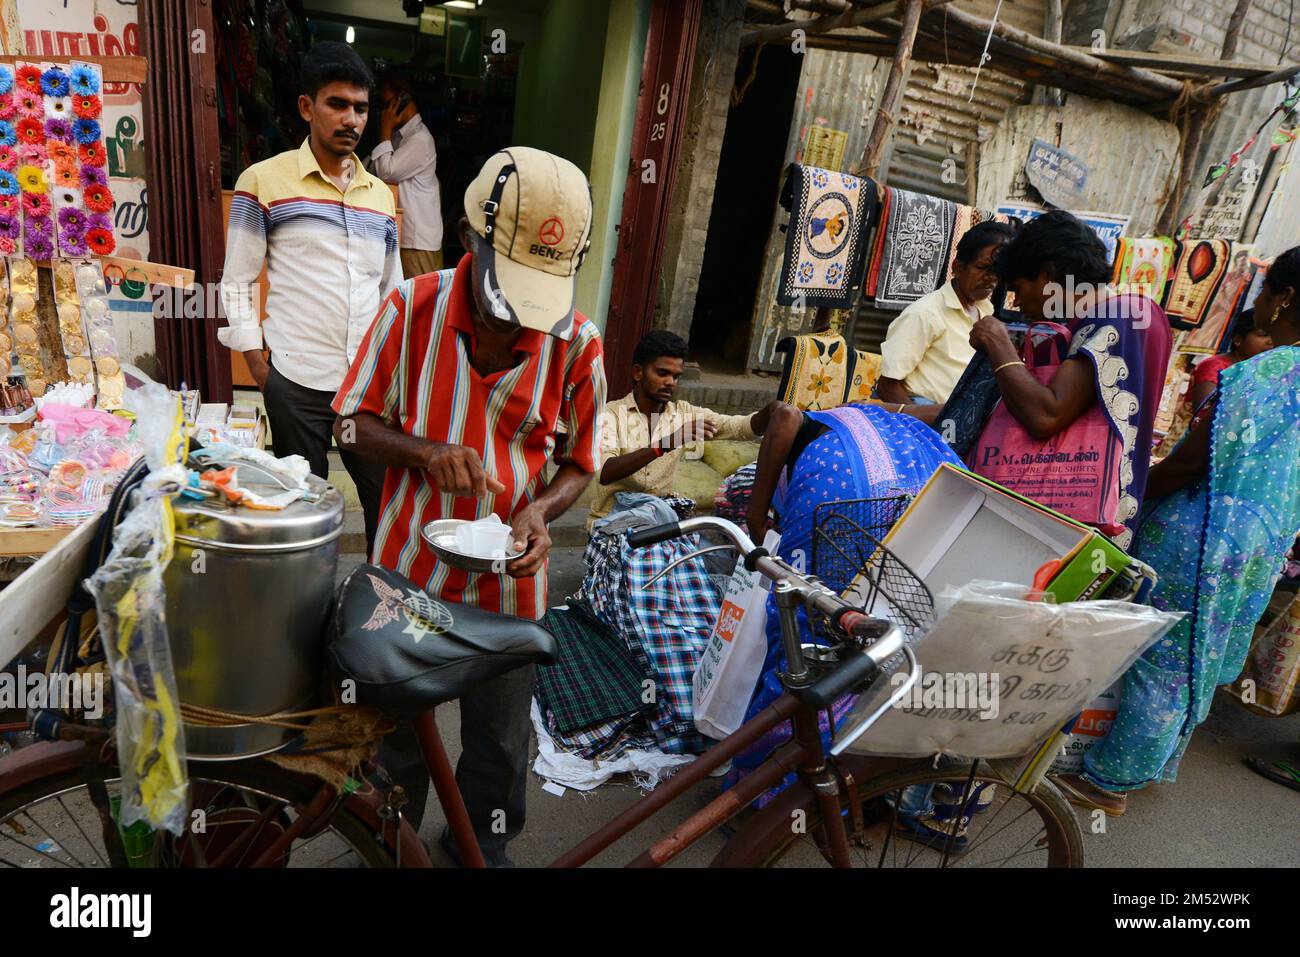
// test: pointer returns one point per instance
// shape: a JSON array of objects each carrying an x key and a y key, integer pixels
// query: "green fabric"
[
  {"x": 595, "y": 676},
  {"x": 725, "y": 456},
  {"x": 698, "y": 482}
]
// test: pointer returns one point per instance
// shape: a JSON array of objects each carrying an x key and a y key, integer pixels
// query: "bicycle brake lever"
[{"x": 687, "y": 558}]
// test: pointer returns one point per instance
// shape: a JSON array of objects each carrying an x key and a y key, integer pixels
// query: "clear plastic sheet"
[
  {"x": 1002, "y": 671},
  {"x": 129, "y": 596}
]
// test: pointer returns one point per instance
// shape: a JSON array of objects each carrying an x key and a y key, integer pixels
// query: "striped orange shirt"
[{"x": 414, "y": 370}]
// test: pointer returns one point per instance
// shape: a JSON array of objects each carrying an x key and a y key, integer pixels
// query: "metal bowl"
[{"x": 441, "y": 537}]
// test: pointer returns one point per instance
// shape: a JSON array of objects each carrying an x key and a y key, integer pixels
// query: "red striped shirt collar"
[{"x": 460, "y": 311}]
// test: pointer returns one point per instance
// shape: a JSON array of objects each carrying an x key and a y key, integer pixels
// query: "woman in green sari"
[{"x": 1220, "y": 512}]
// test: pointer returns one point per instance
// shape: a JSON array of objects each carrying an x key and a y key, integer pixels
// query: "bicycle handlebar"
[{"x": 756, "y": 558}]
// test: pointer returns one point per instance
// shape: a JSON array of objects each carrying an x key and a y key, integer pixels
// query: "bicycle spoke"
[
  {"x": 1019, "y": 851},
  {"x": 989, "y": 837},
  {"x": 40, "y": 852},
  {"x": 53, "y": 840},
  {"x": 77, "y": 824}
]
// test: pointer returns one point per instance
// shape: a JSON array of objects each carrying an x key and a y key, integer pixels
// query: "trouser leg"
[{"x": 493, "y": 769}]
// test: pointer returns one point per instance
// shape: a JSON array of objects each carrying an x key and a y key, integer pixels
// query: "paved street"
[{"x": 1218, "y": 814}]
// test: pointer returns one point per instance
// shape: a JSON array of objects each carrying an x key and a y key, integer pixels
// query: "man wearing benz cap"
[{"x": 461, "y": 387}]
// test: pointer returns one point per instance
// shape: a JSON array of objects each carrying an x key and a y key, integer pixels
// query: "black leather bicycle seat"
[{"x": 408, "y": 652}]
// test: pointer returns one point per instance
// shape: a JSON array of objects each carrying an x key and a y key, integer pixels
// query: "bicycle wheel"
[
  {"x": 52, "y": 822},
  {"x": 1008, "y": 829}
]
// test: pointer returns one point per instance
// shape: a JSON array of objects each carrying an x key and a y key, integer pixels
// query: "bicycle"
[{"x": 841, "y": 809}]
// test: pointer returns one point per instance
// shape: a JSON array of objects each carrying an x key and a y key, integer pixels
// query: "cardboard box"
[{"x": 962, "y": 528}]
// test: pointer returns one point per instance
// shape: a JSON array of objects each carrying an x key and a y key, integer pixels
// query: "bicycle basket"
[{"x": 847, "y": 554}]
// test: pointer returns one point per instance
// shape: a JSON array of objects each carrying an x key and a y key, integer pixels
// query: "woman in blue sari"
[
  {"x": 1221, "y": 511},
  {"x": 808, "y": 459}
]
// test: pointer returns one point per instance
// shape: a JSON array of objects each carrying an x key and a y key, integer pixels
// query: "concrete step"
[{"x": 728, "y": 398}]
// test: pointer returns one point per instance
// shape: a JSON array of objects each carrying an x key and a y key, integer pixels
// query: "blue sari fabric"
[
  {"x": 867, "y": 453},
  {"x": 1218, "y": 548}
]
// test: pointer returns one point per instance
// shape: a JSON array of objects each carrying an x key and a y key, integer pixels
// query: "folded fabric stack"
[
  {"x": 663, "y": 628},
  {"x": 595, "y": 689},
  {"x": 732, "y": 499}
]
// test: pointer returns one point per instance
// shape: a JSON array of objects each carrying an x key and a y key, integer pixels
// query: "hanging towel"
[
  {"x": 1199, "y": 268},
  {"x": 916, "y": 246},
  {"x": 826, "y": 240}
]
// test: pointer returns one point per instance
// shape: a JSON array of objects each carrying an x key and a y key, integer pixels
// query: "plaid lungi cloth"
[
  {"x": 666, "y": 625},
  {"x": 595, "y": 678}
]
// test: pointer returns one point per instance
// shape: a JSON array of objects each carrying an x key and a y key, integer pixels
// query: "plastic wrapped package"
[
  {"x": 130, "y": 600},
  {"x": 1002, "y": 671}
]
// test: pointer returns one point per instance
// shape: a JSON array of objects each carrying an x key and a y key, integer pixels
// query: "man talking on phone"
[{"x": 407, "y": 157}]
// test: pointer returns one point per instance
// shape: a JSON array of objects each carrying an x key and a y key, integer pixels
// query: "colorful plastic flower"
[
  {"x": 37, "y": 247},
  {"x": 86, "y": 131},
  {"x": 70, "y": 197},
  {"x": 63, "y": 154},
  {"x": 99, "y": 221},
  {"x": 84, "y": 80},
  {"x": 72, "y": 221},
  {"x": 8, "y": 158},
  {"x": 93, "y": 176},
  {"x": 8, "y": 205},
  {"x": 8, "y": 246},
  {"x": 54, "y": 82},
  {"x": 8, "y": 133},
  {"x": 29, "y": 79},
  {"x": 6, "y": 78},
  {"x": 59, "y": 106},
  {"x": 31, "y": 179},
  {"x": 42, "y": 226},
  {"x": 10, "y": 227},
  {"x": 92, "y": 154},
  {"x": 8, "y": 183},
  {"x": 87, "y": 107},
  {"x": 31, "y": 131},
  {"x": 59, "y": 130},
  {"x": 101, "y": 241},
  {"x": 66, "y": 177},
  {"x": 7, "y": 108},
  {"x": 73, "y": 246},
  {"x": 31, "y": 154},
  {"x": 36, "y": 204},
  {"x": 30, "y": 104},
  {"x": 98, "y": 199}
]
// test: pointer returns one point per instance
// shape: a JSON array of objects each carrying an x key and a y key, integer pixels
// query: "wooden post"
[
  {"x": 893, "y": 93},
  {"x": 1194, "y": 131}
]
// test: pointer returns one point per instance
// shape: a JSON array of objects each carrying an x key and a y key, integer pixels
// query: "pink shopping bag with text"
[{"x": 1076, "y": 471}]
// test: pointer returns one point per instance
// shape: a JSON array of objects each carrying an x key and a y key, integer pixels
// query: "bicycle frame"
[{"x": 803, "y": 755}]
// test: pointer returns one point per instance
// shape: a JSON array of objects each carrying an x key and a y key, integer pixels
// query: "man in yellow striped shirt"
[{"x": 326, "y": 230}]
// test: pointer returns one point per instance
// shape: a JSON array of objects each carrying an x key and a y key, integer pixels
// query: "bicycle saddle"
[{"x": 408, "y": 652}]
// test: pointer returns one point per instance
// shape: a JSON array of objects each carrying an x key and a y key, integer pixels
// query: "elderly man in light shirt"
[
  {"x": 928, "y": 346},
  {"x": 407, "y": 158},
  {"x": 645, "y": 434}
]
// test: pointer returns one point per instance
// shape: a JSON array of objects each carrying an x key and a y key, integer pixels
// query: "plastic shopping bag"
[
  {"x": 130, "y": 601},
  {"x": 1092, "y": 725},
  {"x": 1270, "y": 682},
  {"x": 1000, "y": 673},
  {"x": 732, "y": 661}
]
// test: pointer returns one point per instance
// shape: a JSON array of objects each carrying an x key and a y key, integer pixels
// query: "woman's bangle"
[{"x": 1006, "y": 364}]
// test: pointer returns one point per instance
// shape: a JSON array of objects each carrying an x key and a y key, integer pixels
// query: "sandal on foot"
[
  {"x": 1277, "y": 771},
  {"x": 1085, "y": 794},
  {"x": 927, "y": 830}
]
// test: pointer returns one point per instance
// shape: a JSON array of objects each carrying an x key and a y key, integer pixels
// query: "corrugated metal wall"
[
  {"x": 837, "y": 90},
  {"x": 1242, "y": 114},
  {"x": 1280, "y": 228},
  {"x": 1131, "y": 156}
]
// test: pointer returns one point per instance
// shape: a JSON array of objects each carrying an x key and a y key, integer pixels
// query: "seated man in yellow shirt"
[
  {"x": 928, "y": 346},
  {"x": 645, "y": 434}
]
